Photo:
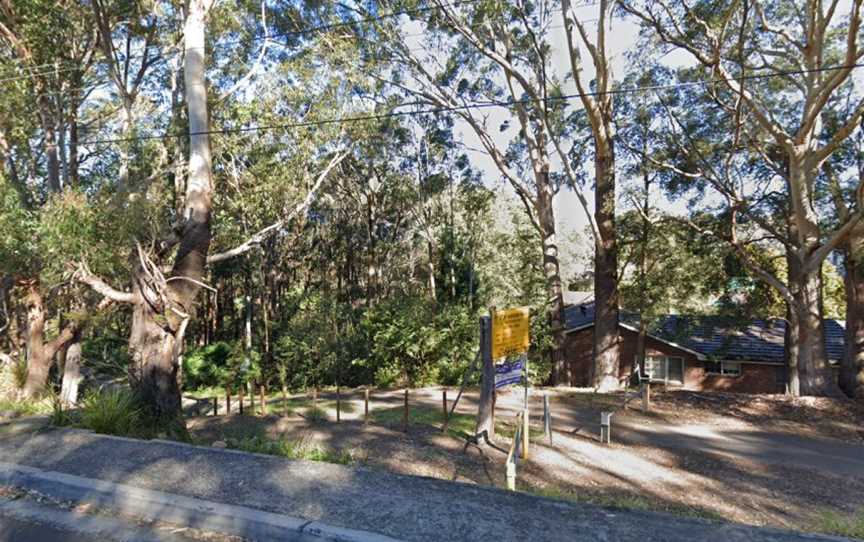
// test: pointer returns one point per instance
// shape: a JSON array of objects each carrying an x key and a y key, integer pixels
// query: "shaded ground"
[
  {"x": 405, "y": 507},
  {"x": 684, "y": 456}
]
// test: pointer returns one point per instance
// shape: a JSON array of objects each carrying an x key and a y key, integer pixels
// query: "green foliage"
[
  {"x": 459, "y": 426},
  {"x": 315, "y": 414},
  {"x": 290, "y": 449},
  {"x": 106, "y": 354},
  {"x": 19, "y": 373},
  {"x": 60, "y": 416},
  {"x": 17, "y": 247},
  {"x": 25, "y": 407},
  {"x": 413, "y": 344},
  {"x": 207, "y": 366},
  {"x": 113, "y": 412},
  {"x": 840, "y": 524}
]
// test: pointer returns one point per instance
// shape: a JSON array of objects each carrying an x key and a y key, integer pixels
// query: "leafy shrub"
[
  {"x": 112, "y": 412},
  {"x": 206, "y": 366}
]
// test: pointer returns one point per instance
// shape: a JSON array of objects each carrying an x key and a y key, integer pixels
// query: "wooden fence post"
[
  {"x": 215, "y": 406},
  {"x": 338, "y": 404},
  {"x": 263, "y": 390},
  {"x": 366, "y": 405},
  {"x": 227, "y": 401},
  {"x": 547, "y": 418},
  {"x": 444, "y": 404},
  {"x": 606, "y": 428},
  {"x": 240, "y": 399},
  {"x": 252, "y": 398},
  {"x": 405, "y": 413}
]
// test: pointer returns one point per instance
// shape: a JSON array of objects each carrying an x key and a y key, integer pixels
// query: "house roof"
[{"x": 718, "y": 337}]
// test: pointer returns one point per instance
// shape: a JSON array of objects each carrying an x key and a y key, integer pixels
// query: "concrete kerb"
[{"x": 186, "y": 511}]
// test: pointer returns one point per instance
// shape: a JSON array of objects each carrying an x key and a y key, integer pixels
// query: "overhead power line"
[
  {"x": 49, "y": 69},
  {"x": 464, "y": 107}
]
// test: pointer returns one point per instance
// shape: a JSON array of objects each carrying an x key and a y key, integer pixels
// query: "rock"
[{"x": 219, "y": 444}]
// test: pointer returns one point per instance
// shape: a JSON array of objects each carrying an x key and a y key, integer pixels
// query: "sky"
[{"x": 569, "y": 214}]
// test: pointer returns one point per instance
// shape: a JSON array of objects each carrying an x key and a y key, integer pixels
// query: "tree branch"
[
  {"x": 82, "y": 274},
  {"x": 301, "y": 207}
]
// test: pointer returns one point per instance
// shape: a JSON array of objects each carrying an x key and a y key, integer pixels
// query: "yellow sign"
[{"x": 510, "y": 332}]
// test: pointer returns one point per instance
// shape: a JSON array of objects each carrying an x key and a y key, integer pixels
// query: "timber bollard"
[
  {"x": 444, "y": 404},
  {"x": 227, "y": 401},
  {"x": 405, "y": 414},
  {"x": 215, "y": 406},
  {"x": 606, "y": 427},
  {"x": 263, "y": 390},
  {"x": 646, "y": 396},
  {"x": 338, "y": 404},
  {"x": 252, "y": 398},
  {"x": 240, "y": 399},
  {"x": 547, "y": 418},
  {"x": 366, "y": 405}
]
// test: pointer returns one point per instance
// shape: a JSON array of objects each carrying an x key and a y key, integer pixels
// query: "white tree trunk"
[{"x": 71, "y": 375}]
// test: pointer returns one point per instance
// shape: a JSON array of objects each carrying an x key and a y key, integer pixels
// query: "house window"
[
  {"x": 666, "y": 369},
  {"x": 724, "y": 368}
]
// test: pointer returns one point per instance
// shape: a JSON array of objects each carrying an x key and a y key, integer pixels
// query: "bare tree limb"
[
  {"x": 301, "y": 207},
  {"x": 85, "y": 276}
]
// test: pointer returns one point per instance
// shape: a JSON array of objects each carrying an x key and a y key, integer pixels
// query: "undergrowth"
[
  {"x": 837, "y": 523},
  {"x": 291, "y": 449}
]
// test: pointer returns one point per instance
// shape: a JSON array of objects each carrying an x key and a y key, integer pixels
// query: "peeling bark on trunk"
[
  {"x": 852, "y": 365},
  {"x": 606, "y": 335},
  {"x": 790, "y": 339},
  {"x": 814, "y": 374},
  {"x": 816, "y": 377},
  {"x": 38, "y": 363},
  {"x": 157, "y": 331},
  {"x": 40, "y": 354}
]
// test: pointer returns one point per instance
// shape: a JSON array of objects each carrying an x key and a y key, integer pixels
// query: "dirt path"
[{"x": 680, "y": 457}]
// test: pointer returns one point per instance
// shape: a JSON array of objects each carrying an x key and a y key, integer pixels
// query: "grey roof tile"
[{"x": 718, "y": 336}]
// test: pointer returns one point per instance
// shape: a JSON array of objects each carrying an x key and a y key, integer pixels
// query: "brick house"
[{"x": 695, "y": 352}]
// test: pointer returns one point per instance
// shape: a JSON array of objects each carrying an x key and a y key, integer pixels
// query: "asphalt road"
[
  {"x": 402, "y": 507},
  {"x": 17, "y": 530}
]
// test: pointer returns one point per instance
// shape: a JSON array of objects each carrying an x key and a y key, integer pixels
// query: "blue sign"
[{"x": 509, "y": 372}]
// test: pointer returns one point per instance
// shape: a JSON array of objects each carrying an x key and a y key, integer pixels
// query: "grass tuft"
[
  {"x": 460, "y": 426},
  {"x": 25, "y": 407},
  {"x": 836, "y": 523},
  {"x": 291, "y": 449},
  {"x": 623, "y": 501},
  {"x": 315, "y": 414},
  {"x": 114, "y": 412},
  {"x": 19, "y": 373}
]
